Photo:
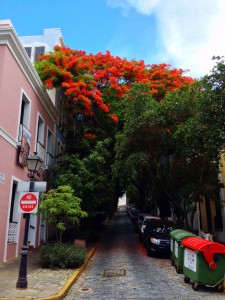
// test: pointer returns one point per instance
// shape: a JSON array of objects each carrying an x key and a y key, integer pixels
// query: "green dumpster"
[
  {"x": 204, "y": 263},
  {"x": 179, "y": 250},
  {"x": 173, "y": 234}
]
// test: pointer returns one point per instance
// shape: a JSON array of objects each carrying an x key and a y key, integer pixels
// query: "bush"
[{"x": 64, "y": 256}]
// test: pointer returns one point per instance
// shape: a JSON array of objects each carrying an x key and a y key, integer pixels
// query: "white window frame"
[{"x": 28, "y": 111}]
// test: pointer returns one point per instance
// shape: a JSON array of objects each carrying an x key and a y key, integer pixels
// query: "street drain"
[{"x": 114, "y": 273}]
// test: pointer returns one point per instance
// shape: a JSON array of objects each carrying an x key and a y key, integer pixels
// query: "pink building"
[{"x": 28, "y": 123}]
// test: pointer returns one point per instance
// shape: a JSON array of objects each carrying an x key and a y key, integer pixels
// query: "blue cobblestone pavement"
[{"x": 120, "y": 269}]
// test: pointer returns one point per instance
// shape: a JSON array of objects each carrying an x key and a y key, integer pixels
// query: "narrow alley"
[{"x": 120, "y": 269}]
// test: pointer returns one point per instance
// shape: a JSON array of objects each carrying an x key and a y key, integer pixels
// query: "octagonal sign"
[{"x": 28, "y": 202}]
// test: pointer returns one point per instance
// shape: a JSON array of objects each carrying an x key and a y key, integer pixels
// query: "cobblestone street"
[{"x": 120, "y": 269}]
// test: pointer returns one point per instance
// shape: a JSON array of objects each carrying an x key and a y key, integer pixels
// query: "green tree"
[
  {"x": 171, "y": 149},
  {"x": 91, "y": 178},
  {"x": 137, "y": 147},
  {"x": 61, "y": 208}
]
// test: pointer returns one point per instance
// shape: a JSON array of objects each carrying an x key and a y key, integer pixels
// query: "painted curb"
[{"x": 65, "y": 289}]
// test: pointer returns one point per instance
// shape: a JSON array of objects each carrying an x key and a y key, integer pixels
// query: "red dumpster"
[{"x": 204, "y": 262}]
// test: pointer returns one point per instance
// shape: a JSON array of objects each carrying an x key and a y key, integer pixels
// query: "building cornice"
[
  {"x": 6, "y": 136},
  {"x": 9, "y": 38}
]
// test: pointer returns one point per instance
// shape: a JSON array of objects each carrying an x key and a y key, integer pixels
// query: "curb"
[{"x": 65, "y": 289}]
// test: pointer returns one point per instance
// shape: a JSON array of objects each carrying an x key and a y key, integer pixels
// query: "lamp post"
[{"x": 33, "y": 165}]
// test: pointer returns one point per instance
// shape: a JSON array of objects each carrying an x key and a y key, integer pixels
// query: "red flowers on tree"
[{"x": 91, "y": 81}]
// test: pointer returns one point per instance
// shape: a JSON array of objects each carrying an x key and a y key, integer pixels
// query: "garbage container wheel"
[
  {"x": 219, "y": 288},
  {"x": 178, "y": 270},
  {"x": 195, "y": 286},
  {"x": 186, "y": 279}
]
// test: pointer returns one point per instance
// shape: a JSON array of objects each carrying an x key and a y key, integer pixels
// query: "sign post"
[{"x": 198, "y": 216}]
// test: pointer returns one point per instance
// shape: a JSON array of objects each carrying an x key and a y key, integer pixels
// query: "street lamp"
[{"x": 33, "y": 165}]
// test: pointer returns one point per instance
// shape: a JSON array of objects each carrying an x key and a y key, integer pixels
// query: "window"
[
  {"x": 24, "y": 134},
  {"x": 40, "y": 149},
  {"x": 38, "y": 51},
  {"x": 40, "y": 130},
  {"x": 59, "y": 151},
  {"x": 28, "y": 50},
  {"x": 14, "y": 187},
  {"x": 13, "y": 216},
  {"x": 25, "y": 111},
  {"x": 49, "y": 148}
]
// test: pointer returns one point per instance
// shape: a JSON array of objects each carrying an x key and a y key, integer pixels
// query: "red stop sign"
[{"x": 28, "y": 202}]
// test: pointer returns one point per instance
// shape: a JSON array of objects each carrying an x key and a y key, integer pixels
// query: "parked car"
[
  {"x": 142, "y": 221},
  {"x": 134, "y": 215},
  {"x": 128, "y": 208},
  {"x": 156, "y": 236}
]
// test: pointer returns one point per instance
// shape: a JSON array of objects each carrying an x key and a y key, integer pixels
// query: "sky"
[{"x": 183, "y": 33}]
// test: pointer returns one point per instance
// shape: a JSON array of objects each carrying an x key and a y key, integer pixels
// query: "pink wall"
[{"x": 12, "y": 82}]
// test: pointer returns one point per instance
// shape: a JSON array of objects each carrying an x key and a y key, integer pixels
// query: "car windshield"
[
  {"x": 145, "y": 221},
  {"x": 162, "y": 228}
]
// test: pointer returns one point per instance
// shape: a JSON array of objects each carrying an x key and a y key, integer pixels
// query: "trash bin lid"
[
  {"x": 207, "y": 248},
  {"x": 182, "y": 235},
  {"x": 175, "y": 232},
  {"x": 201, "y": 245}
]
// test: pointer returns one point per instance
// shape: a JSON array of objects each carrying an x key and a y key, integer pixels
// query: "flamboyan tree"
[{"x": 99, "y": 81}]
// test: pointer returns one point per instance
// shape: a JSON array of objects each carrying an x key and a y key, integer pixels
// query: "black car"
[{"x": 156, "y": 237}]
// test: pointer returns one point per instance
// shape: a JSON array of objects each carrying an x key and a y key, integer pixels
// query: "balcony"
[
  {"x": 12, "y": 232},
  {"x": 40, "y": 149}
]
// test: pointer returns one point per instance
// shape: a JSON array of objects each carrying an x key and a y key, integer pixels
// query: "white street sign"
[{"x": 39, "y": 186}]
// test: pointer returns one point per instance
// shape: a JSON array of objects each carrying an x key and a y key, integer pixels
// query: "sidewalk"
[{"x": 42, "y": 283}]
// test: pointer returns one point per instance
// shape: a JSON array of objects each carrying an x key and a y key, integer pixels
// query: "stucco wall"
[{"x": 13, "y": 83}]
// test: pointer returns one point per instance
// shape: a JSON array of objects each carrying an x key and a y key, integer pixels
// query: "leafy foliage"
[
  {"x": 62, "y": 256},
  {"x": 61, "y": 208},
  {"x": 91, "y": 178},
  {"x": 171, "y": 149},
  {"x": 101, "y": 80},
  {"x": 169, "y": 137}
]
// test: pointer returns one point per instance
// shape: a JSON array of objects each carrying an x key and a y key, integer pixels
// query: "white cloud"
[
  {"x": 143, "y": 6},
  {"x": 191, "y": 31}
]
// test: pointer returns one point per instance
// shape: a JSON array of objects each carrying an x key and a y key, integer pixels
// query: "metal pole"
[
  {"x": 22, "y": 279},
  {"x": 198, "y": 217}
]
